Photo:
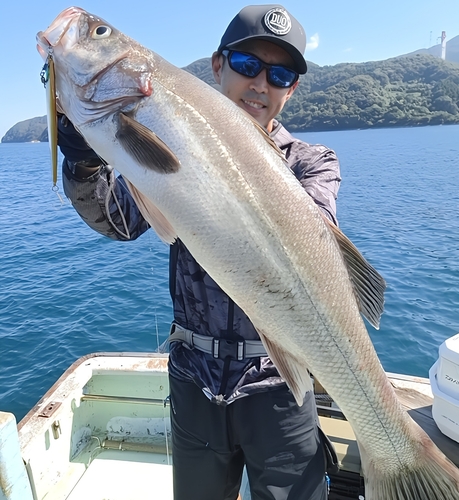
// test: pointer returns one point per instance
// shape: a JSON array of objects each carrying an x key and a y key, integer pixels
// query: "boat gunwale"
[
  {"x": 145, "y": 362},
  {"x": 35, "y": 410}
]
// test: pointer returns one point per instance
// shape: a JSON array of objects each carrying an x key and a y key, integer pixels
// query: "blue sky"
[{"x": 183, "y": 31}]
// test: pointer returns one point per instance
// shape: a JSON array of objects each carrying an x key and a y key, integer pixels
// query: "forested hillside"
[
  {"x": 33, "y": 129},
  {"x": 403, "y": 91}
]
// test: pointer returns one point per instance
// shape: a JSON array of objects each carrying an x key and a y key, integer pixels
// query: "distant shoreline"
[
  {"x": 307, "y": 131},
  {"x": 407, "y": 91}
]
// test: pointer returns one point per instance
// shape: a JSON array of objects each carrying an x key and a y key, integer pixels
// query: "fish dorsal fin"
[
  {"x": 152, "y": 215},
  {"x": 265, "y": 135},
  {"x": 292, "y": 370},
  {"x": 145, "y": 146},
  {"x": 369, "y": 285}
]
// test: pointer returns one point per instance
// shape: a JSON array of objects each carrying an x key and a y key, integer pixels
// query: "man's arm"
[
  {"x": 102, "y": 200},
  {"x": 317, "y": 168}
]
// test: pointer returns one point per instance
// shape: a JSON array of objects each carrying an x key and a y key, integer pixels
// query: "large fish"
[{"x": 201, "y": 170}]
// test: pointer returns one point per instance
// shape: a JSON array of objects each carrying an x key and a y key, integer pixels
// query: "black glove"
[{"x": 72, "y": 144}]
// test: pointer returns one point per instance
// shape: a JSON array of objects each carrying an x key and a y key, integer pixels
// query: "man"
[{"x": 229, "y": 407}]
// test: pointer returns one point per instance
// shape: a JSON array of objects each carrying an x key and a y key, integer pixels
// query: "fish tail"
[{"x": 433, "y": 477}]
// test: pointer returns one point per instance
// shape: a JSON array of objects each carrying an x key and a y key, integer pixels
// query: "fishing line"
[
  {"x": 157, "y": 330},
  {"x": 111, "y": 194},
  {"x": 55, "y": 188}
]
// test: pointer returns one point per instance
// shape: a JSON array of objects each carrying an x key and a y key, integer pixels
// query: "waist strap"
[{"x": 219, "y": 348}]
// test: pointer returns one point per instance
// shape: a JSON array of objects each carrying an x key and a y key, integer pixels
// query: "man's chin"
[{"x": 259, "y": 117}]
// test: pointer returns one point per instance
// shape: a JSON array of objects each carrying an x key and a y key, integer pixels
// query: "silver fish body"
[{"x": 200, "y": 170}]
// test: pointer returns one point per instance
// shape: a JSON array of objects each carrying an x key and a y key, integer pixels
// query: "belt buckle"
[{"x": 224, "y": 348}]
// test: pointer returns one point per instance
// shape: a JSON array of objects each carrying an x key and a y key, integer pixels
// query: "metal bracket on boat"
[
  {"x": 49, "y": 409},
  {"x": 111, "y": 444},
  {"x": 56, "y": 428},
  {"x": 123, "y": 399}
]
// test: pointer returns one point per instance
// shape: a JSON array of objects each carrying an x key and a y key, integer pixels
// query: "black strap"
[
  {"x": 173, "y": 258},
  {"x": 229, "y": 335},
  {"x": 230, "y": 322},
  {"x": 330, "y": 456}
]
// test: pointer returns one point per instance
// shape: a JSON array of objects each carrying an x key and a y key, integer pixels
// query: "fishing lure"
[{"x": 48, "y": 79}]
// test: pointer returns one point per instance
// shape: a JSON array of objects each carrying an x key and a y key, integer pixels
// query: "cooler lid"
[{"x": 450, "y": 349}]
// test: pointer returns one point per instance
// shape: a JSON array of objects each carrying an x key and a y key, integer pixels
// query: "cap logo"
[{"x": 278, "y": 21}]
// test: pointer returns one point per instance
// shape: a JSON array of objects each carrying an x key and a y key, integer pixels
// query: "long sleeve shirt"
[{"x": 199, "y": 304}]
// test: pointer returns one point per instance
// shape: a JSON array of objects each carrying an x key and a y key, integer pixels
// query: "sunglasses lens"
[
  {"x": 248, "y": 65},
  {"x": 245, "y": 64},
  {"x": 281, "y": 77}
]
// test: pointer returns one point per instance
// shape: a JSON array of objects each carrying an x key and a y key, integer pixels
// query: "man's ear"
[
  {"x": 291, "y": 90},
  {"x": 217, "y": 66}
]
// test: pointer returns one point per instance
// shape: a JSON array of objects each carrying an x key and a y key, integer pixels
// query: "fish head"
[{"x": 99, "y": 70}]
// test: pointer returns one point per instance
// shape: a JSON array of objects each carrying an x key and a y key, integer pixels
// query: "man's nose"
[{"x": 260, "y": 83}]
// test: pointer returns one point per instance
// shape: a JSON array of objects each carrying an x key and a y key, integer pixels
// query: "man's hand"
[
  {"x": 72, "y": 144},
  {"x": 81, "y": 159}
]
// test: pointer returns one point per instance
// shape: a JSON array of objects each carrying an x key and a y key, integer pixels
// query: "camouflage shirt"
[{"x": 198, "y": 302}]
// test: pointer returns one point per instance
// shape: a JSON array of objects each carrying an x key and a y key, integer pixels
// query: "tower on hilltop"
[{"x": 443, "y": 45}]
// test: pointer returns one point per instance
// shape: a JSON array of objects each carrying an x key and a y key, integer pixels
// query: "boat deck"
[
  {"x": 103, "y": 432},
  {"x": 416, "y": 397},
  {"x": 125, "y": 475}
]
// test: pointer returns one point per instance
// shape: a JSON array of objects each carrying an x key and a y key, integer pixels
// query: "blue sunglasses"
[{"x": 251, "y": 66}]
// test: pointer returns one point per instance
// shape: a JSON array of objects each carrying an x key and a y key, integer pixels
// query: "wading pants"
[{"x": 277, "y": 440}]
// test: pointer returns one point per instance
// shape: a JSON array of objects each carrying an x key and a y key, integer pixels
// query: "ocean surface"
[{"x": 66, "y": 291}]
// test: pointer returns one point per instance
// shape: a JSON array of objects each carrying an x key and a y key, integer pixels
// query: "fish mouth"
[
  {"x": 89, "y": 82},
  {"x": 64, "y": 24},
  {"x": 64, "y": 31}
]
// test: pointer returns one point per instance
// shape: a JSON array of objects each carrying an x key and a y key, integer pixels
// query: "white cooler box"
[{"x": 444, "y": 382}]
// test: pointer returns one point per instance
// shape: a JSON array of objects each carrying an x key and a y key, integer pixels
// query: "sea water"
[{"x": 66, "y": 291}]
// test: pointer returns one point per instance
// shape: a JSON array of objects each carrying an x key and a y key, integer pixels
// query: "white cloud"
[{"x": 313, "y": 42}]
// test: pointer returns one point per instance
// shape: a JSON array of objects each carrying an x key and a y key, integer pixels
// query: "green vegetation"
[
  {"x": 403, "y": 91},
  {"x": 34, "y": 129}
]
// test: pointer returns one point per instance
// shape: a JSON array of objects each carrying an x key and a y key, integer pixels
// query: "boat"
[{"x": 102, "y": 431}]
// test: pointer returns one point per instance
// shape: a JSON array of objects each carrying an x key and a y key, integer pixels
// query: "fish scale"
[{"x": 202, "y": 171}]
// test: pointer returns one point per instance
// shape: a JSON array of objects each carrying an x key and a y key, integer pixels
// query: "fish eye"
[{"x": 101, "y": 31}]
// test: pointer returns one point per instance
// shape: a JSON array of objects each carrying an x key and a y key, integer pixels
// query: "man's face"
[{"x": 255, "y": 95}]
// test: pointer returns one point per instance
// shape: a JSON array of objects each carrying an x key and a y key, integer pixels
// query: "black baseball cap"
[{"x": 268, "y": 22}]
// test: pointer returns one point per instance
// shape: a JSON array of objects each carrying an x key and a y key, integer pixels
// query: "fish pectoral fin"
[
  {"x": 152, "y": 215},
  {"x": 291, "y": 369},
  {"x": 369, "y": 285},
  {"x": 145, "y": 146}
]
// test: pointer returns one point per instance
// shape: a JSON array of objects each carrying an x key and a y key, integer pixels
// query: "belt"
[{"x": 219, "y": 348}]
